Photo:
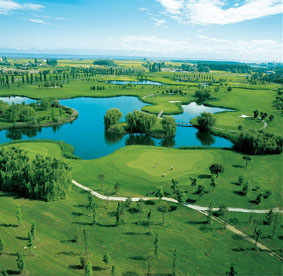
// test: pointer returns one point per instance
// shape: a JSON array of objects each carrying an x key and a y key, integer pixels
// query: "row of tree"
[{"x": 43, "y": 177}]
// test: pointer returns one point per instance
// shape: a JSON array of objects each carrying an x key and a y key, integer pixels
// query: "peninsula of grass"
[
  {"x": 201, "y": 248},
  {"x": 35, "y": 115}
]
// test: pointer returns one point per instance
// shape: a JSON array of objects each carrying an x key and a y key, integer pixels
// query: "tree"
[
  {"x": 274, "y": 227},
  {"x": 245, "y": 188},
  {"x": 113, "y": 270},
  {"x": 101, "y": 178},
  {"x": 257, "y": 235},
  {"x": 20, "y": 262},
  {"x": 33, "y": 230},
  {"x": 2, "y": 247},
  {"x": 268, "y": 217},
  {"x": 193, "y": 181},
  {"x": 174, "y": 185},
  {"x": 156, "y": 246},
  {"x": 232, "y": 271},
  {"x": 118, "y": 213},
  {"x": 206, "y": 121},
  {"x": 160, "y": 192},
  {"x": 271, "y": 118},
  {"x": 174, "y": 262},
  {"x": 213, "y": 181},
  {"x": 85, "y": 236},
  {"x": 30, "y": 241},
  {"x": 116, "y": 188},
  {"x": 256, "y": 113},
  {"x": 19, "y": 215},
  {"x": 149, "y": 261},
  {"x": 202, "y": 94},
  {"x": 4, "y": 272},
  {"x": 112, "y": 117},
  {"x": 169, "y": 125},
  {"x": 163, "y": 209},
  {"x": 106, "y": 259},
  {"x": 93, "y": 216},
  {"x": 241, "y": 180},
  {"x": 247, "y": 159},
  {"x": 216, "y": 169},
  {"x": 88, "y": 269}
]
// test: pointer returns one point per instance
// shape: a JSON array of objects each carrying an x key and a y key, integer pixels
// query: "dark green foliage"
[
  {"x": 268, "y": 217},
  {"x": 216, "y": 169},
  {"x": 1, "y": 247},
  {"x": 106, "y": 258},
  {"x": 20, "y": 262},
  {"x": 156, "y": 246},
  {"x": 104, "y": 62},
  {"x": 44, "y": 177},
  {"x": 140, "y": 122},
  {"x": 278, "y": 103},
  {"x": 259, "y": 142},
  {"x": 112, "y": 117},
  {"x": 169, "y": 125},
  {"x": 174, "y": 262},
  {"x": 206, "y": 121},
  {"x": 202, "y": 94},
  {"x": 88, "y": 269},
  {"x": 232, "y": 271}
]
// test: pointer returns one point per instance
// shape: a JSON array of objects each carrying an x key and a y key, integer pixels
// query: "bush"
[
  {"x": 259, "y": 142},
  {"x": 206, "y": 121}
]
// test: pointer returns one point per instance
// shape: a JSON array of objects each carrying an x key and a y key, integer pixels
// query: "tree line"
[{"x": 43, "y": 177}]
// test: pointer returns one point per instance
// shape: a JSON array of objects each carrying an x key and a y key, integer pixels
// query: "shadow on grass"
[
  {"x": 149, "y": 202},
  {"x": 105, "y": 225},
  {"x": 238, "y": 166},
  {"x": 79, "y": 205},
  {"x": 235, "y": 183},
  {"x": 22, "y": 238},
  {"x": 12, "y": 272},
  {"x": 82, "y": 223},
  {"x": 135, "y": 234},
  {"x": 8, "y": 225},
  {"x": 204, "y": 176},
  {"x": 97, "y": 268},
  {"x": 77, "y": 267},
  {"x": 241, "y": 249},
  {"x": 130, "y": 273},
  {"x": 71, "y": 253},
  {"x": 197, "y": 222},
  {"x": 77, "y": 214},
  {"x": 237, "y": 237},
  {"x": 137, "y": 258},
  {"x": 68, "y": 241}
]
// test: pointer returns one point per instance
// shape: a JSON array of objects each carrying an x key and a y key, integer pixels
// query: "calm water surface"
[{"x": 87, "y": 133}]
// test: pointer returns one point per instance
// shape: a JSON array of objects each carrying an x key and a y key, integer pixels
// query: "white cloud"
[
  {"x": 158, "y": 22},
  {"x": 208, "y": 46},
  {"x": 7, "y": 6},
  {"x": 60, "y": 18},
  {"x": 172, "y": 6},
  {"x": 39, "y": 21},
  {"x": 204, "y": 12}
]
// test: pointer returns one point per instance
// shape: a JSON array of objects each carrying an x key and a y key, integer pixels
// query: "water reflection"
[
  {"x": 139, "y": 139},
  {"x": 112, "y": 138},
  {"x": 205, "y": 138}
]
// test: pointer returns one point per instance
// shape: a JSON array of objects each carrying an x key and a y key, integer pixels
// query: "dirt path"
[
  {"x": 191, "y": 206},
  {"x": 160, "y": 114},
  {"x": 200, "y": 209},
  {"x": 246, "y": 237}
]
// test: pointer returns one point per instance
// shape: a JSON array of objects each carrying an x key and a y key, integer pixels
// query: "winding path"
[
  {"x": 191, "y": 206},
  {"x": 200, "y": 209}
]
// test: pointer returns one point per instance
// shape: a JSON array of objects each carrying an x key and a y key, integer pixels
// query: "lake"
[{"x": 87, "y": 133}]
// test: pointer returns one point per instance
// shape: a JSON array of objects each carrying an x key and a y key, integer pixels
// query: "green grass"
[
  {"x": 202, "y": 249},
  {"x": 133, "y": 167}
]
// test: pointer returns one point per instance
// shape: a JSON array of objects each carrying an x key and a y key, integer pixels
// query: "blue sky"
[{"x": 246, "y": 30}]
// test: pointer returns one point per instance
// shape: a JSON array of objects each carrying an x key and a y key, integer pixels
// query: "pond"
[
  {"x": 144, "y": 82},
  {"x": 87, "y": 133}
]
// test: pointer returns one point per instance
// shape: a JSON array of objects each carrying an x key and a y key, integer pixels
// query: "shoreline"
[{"x": 69, "y": 119}]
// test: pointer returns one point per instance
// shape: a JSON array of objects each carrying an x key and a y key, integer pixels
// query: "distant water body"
[{"x": 89, "y": 138}]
